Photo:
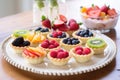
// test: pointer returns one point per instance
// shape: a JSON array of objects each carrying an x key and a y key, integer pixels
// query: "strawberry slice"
[
  {"x": 63, "y": 18},
  {"x": 94, "y": 13},
  {"x": 112, "y": 12},
  {"x": 58, "y": 23}
]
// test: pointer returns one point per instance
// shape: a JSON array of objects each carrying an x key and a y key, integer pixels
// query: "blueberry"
[
  {"x": 18, "y": 41},
  {"x": 65, "y": 41},
  {"x": 90, "y": 34},
  {"x": 86, "y": 35},
  {"x": 59, "y": 36},
  {"x": 69, "y": 42},
  {"x": 77, "y": 41},
  {"x": 63, "y": 35},
  {"x": 26, "y": 43},
  {"x": 73, "y": 41},
  {"x": 38, "y": 29}
]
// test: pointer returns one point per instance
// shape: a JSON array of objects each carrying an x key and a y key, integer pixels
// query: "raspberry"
[
  {"x": 61, "y": 55},
  {"x": 52, "y": 41},
  {"x": 79, "y": 52},
  {"x": 44, "y": 45},
  {"x": 66, "y": 54},
  {"x": 53, "y": 54},
  {"x": 86, "y": 51},
  {"x": 71, "y": 20},
  {"x": 56, "y": 44},
  {"x": 60, "y": 50},
  {"x": 51, "y": 46},
  {"x": 78, "y": 48},
  {"x": 59, "y": 33},
  {"x": 54, "y": 34}
]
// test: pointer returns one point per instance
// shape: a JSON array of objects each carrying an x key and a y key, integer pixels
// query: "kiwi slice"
[
  {"x": 96, "y": 43},
  {"x": 21, "y": 33}
]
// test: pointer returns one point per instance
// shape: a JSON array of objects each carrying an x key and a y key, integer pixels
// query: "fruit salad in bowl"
[{"x": 101, "y": 18}]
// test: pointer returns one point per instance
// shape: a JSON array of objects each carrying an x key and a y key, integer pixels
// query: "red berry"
[
  {"x": 63, "y": 28},
  {"x": 61, "y": 55},
  {"x": 73, "y": 26},
  {"x": 59, "y": 33},
  {"x": 66, "y": 54},
  {"x": 72, "y": 20},
  {"x": 78, "y": 48},
  {"x": 52, "y": 41},
  {"x": 44, "y": 45},
  {"x": 47, "y": 41},
  {"x": 60, "y": 50},
  {"x": 51, "y": 46},
  {"x": 112, "y": 12},
  {"x": 56, "y": 44},
  {"x": 86, "y": 51},
  {"x": 104, "y": 8},
  {"x": 55, "y": 34},
  {"x": 79, "y": 52},
  {"x": 46, "y": 23},
  {"x": 53, "y": 54}
]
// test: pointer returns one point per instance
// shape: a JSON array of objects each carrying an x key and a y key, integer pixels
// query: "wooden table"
[{"x": 22, "y": 20}]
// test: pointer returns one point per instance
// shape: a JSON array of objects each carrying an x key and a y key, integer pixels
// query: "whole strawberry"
[{"x": 46, "y": 22}]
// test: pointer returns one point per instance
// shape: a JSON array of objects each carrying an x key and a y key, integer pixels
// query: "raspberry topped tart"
[
  {"x": 34, "y": 55},
  {"x": 82, "y": 54},
  {"x": 69, "y": 43},
  {"x": 97, "y": 44},
  {"x": 19, "y": 44},
  {"x": 58, "y": 57},
  {"x": 48, "y": 45},
  {"x": 57, "y": 35},
  {"x": 83, "y": 35}
]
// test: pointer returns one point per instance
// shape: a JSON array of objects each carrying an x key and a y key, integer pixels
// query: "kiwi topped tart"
[
  {"x": 20, "y": 33},
  {"x": 97, "y": 44}
]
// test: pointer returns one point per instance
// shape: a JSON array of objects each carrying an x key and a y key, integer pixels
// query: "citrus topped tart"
[
  {"x": 34, "y": 55},
  {"x": 57, "y": 35},
  {"x": 82, "y": 54},
  {"x": 58, "y": 57},
  {"x": 18, "y": 44},
  {"x": 48, "y": 45},
  {"x": 83, "y": 35},
  {"x": 35, "y": 38},
  {"x": 97, "y": 44},
  {"x": 69, "y": 43}
]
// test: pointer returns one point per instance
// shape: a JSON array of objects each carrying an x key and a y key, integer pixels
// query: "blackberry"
[
  {"x": 18, "y": 41},
  {"x": 38, "y": 29},
  {"x": 26, "y": 43}
]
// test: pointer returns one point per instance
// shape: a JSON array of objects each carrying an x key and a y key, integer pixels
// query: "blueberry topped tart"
[
  {"x": 19, "y": 44},
  {"x": 57, "y": 35},
  {"x": 69, "y": 43},
  {"x": 43, "y": 30},
  {"x": 83, "y": 35}
]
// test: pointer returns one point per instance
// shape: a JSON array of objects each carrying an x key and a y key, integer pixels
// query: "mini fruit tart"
[
  {"x": 35, "y": 38},
  {"x": 83, "y": 35},
  {"x": 19, "y": 44},
  {"x": 48, "y": 45},
  {"x": 57, "y": 35},
  {"x": 58, "y": 57},
  {"x": 82, "y": 54},
  {"x": 97, "y": 44},
  {"x": 69, "y": 43},
  {"x": 43, "y": 30},
  {"x": 20, "y": 33},
  {"x": 34, "y": 55}
]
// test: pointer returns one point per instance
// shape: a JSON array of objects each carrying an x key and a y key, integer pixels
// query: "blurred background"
[{"x": 10, "y": 7}]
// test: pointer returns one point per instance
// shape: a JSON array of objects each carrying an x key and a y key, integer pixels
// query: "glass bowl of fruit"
[{"x": 101, "y": 18}]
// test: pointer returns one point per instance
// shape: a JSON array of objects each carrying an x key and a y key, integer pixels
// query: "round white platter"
[{"x": 72, "y": 68}]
